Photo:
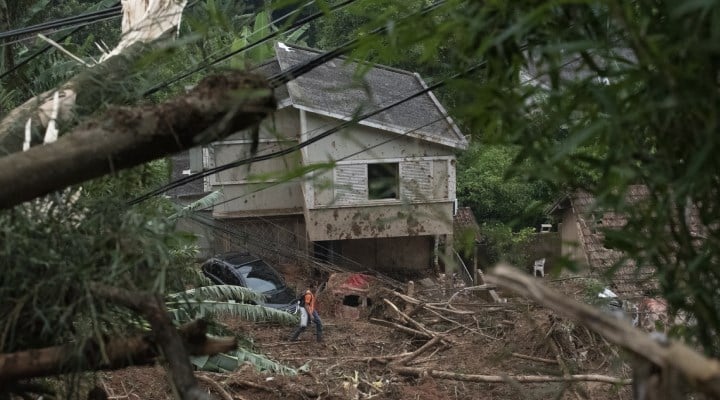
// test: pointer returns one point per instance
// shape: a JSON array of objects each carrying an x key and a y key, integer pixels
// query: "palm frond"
[
  {"x": 220, "y": 292},
  {"x": 228, "y": 362},
  {"x": 205, "y": 202},
  {"x": 181, "y": 310}
]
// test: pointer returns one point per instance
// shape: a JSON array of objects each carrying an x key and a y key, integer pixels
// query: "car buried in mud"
[{"x": 249, "y": 271}]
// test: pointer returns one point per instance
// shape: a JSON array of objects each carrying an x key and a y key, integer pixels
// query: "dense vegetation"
[{"x": 555, "y": 95}]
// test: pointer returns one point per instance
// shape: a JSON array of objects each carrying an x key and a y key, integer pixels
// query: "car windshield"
[{"x": 260, "y": 277}]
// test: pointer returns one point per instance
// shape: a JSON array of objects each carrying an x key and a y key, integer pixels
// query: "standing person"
[{"x": 308, "y": 313}]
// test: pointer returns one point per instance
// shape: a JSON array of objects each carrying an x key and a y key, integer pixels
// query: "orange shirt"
[{"x": 309, "y": 300}]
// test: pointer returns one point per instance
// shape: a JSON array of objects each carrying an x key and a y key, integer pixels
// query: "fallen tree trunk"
[
  {"x": 116, "y": 353},
  {"x": 126, "y": 137},
  {"x": 169, "y": 342},
  {"x": 701, "y": 372},
  {"x": 409, "y": 371},
  {"x": 143, "y": 23}
]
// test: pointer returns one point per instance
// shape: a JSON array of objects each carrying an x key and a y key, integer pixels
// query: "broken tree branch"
[
  {"x": 409, "y": 320},
  {"x": 119, "y": 352},
  {"x": 143, "y": 22},
  {"x": 223, "y": 393},
  {"x": 152, "y": 307},
  {"x": 402, "y": 328},
  {"x": 126, "y": 137},
  {"x": 701, "y": 372},
  {"x": 409, "y": 371},
  {"x": 485, "y": 287},
  {"x": 531, "y": 358},
  {"x": 422, "y": 349},
  {"x": 434, "y": 306}
]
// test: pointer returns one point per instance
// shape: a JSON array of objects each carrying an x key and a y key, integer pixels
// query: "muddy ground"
[{"x": 359, "y": 359}]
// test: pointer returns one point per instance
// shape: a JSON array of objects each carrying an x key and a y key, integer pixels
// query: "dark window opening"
[
  {"x": 352, "y": 300},
  {"x": 383, "y": 181}
]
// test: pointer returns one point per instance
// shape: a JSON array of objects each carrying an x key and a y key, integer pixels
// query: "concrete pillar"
[{"x": 449, "y": 256}]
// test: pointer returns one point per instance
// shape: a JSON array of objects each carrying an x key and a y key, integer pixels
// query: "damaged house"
[
  {"x": 378, "y": 194},
  {"x": 581, "y": 225}
]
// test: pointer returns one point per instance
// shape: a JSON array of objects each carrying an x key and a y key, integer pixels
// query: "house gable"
[{"x": 333, "y": 90}]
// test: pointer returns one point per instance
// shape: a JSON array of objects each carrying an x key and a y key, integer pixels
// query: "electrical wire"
[
  {"x": 282, "y": 152},
  {"x": 114, "y": 11},
  {"x": 244, "y": 239},
  {"x": 300, "y": 69},
  {"x": 273, "y": 184},
  {"x": 297, "y": 24},
  {"x": 293, "y": 73},
  {"x": 37, "y": 53},
  {"x": 47, "y": 47}
]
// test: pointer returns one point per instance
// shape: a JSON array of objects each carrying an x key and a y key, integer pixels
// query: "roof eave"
[{"x": 461, "y": 145}]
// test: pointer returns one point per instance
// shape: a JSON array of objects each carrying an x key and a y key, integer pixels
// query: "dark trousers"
[{"x": 318, "y": 327}]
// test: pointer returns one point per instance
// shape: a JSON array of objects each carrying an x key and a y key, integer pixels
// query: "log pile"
[{"x": 417, "y": 322}]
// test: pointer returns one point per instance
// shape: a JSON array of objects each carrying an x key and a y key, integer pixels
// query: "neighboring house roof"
[
  {"x": 336, "y": 90},
  {"x": 574, "y": 68},
  {"x": 464, "y": 221},
  {"x": 628, "y": 280}
]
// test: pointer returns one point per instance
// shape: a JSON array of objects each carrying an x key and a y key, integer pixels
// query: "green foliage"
[
  {"x": 228, "y": 362},
  {"x": 497, "y": 186},
  {"x": 626, "y": 92},
  {"x": 234, "y": 301},
  {"x": 76, "y": 242},
  {"x": 505, "y": 245}
]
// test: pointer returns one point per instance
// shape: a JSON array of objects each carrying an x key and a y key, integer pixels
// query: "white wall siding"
[
  {"x": 416, "y": 178},
  {"x": 350, "y": 184}
]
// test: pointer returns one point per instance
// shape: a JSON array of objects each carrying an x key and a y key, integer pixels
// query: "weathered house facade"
[{"x": 379, "y": 193}]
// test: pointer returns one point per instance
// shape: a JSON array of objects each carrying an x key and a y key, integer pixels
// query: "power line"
[
  {"x": 286, "y": 76},
  {"x": 307, "y": 66},
  {"x": 37, "y": 53},
  {"x": 94, "y": 16},
  {"x": 288, "y": 150},
  {"x": 248, "y": 239},
  {"x": 340, "y": 159},
  {"x": 297, "y": 24}
]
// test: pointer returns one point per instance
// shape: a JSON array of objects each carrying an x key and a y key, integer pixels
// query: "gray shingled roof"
[{"x": 332, "y": 89}]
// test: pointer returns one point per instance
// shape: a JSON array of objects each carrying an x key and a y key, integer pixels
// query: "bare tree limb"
[
  {"x": 701, "y": 372},
  {"x": 531, "y": 358},
  {"x": 151, "y": 306},
  {"x": 409, "y": 320},
  {"x": 119, "y": 353},
  {"x": 402, "y": 328},
  {"x": 509, "y": 378},
  {"x": 125, "y": 137},
  {"x": 143, "y": 22},
  {"x": 223, "y": 393},
  {"x": 422, "y": 349}
]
